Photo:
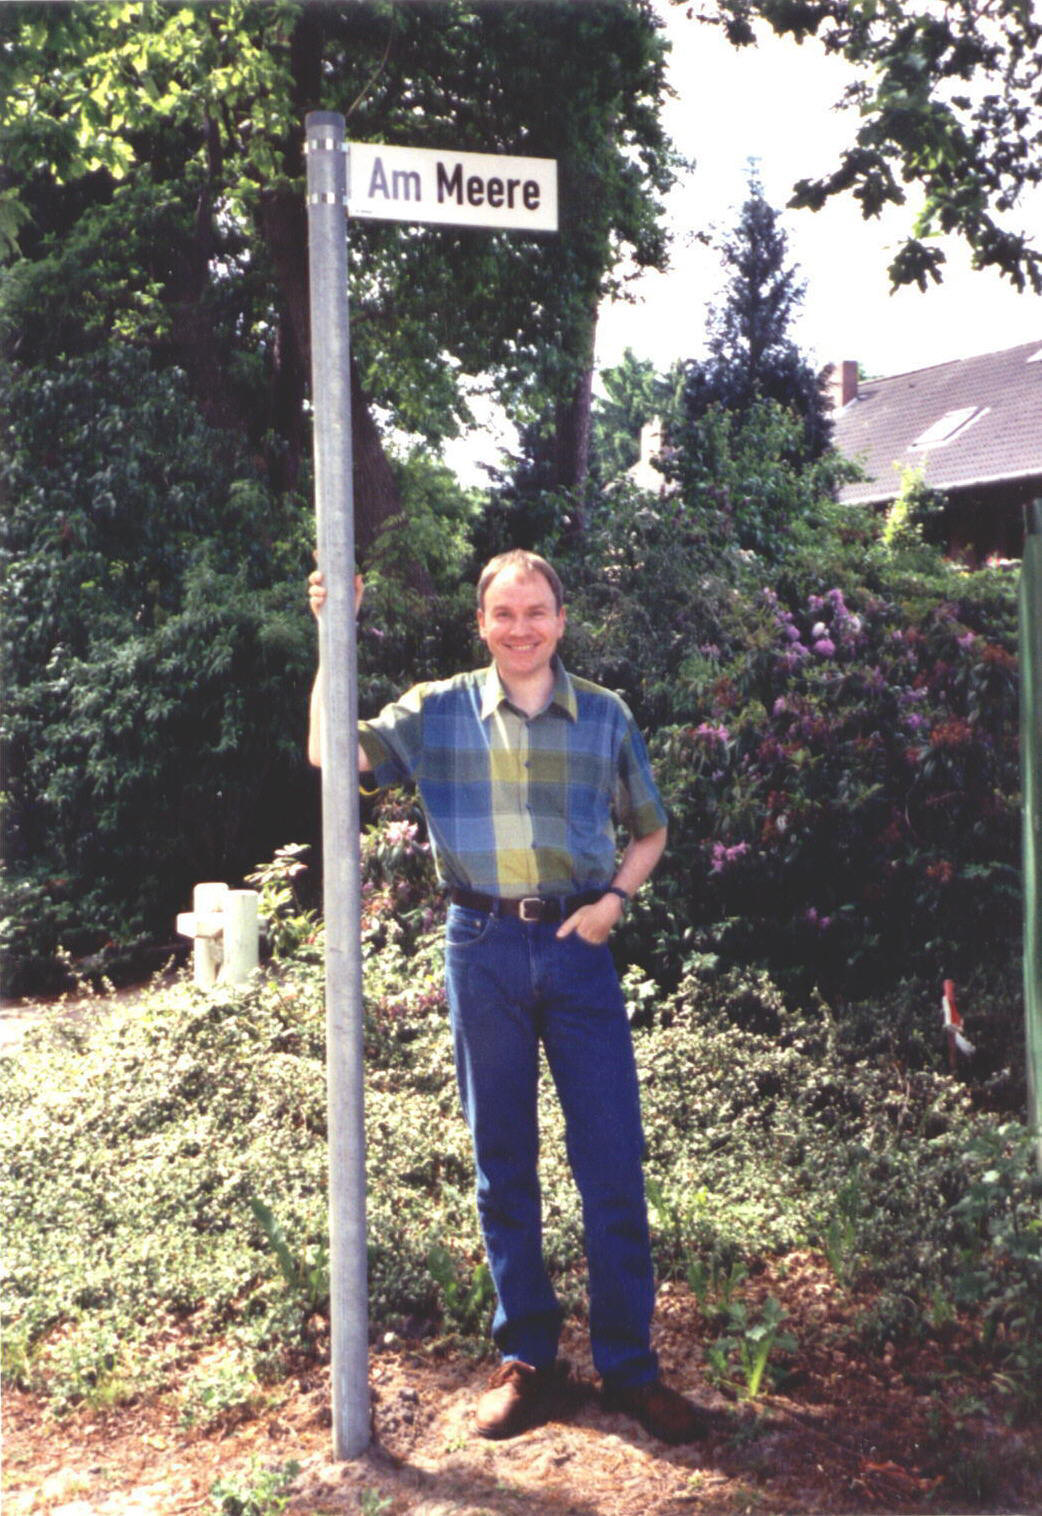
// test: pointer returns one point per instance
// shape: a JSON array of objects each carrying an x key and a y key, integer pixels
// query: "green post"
[{"x": 1031, "y": 770}]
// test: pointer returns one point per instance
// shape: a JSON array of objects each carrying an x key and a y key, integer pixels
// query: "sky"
[{"x": 776, "y": 104}]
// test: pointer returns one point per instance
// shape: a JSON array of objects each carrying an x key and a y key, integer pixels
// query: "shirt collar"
[{"x": 494, "y": 695}]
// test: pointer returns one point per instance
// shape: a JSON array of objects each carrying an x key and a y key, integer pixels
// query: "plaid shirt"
[{"x": 518, "y": 805}]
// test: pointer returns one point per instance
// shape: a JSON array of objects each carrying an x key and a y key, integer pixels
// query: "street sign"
[{"x": 450, "y": 188}]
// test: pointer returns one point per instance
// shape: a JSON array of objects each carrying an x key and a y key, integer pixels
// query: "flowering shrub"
[
  {"x": 398, "y": 878},
  {"x": 847, "y": 804}
]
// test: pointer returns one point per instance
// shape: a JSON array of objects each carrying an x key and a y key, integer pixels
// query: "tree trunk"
[
  {"x": 283, "y": 225},
  {"x": 191, "y": 328},
  {"x": 572, "y": 429},
  {"x": 377, "y": 500},
  {"x": 572, "y": 433}
]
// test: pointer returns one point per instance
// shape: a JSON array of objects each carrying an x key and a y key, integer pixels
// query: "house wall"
[{"x": 988, "y": 521}]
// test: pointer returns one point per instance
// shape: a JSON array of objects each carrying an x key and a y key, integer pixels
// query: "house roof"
[{"x": 973, "y": 422}]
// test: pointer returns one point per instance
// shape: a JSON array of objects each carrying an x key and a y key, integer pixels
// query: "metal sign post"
[
  {"x": 397, "y": 184},
  {"x": 1031, "y": 769},
  {"x": 334, "y": 505}
]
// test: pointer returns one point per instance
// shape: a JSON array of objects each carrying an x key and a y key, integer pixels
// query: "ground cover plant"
[{"x": 163, "y": 1182}]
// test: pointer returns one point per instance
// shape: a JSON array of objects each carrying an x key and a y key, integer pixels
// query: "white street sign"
[{"x": 455, "y": 189}]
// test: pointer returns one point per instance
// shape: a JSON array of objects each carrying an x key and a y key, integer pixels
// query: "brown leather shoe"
[
  {"x": 517, "y": 1397},
  {"x": 661, "y": 1411}
]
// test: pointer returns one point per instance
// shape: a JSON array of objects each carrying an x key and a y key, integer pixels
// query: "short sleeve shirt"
[{"x": 518, "y": 805}]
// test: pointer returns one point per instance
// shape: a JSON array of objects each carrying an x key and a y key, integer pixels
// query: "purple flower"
[
  {"x": 403, "y": 834},
  {"x": 825, "y": 647},
  {"x": 781, "y": 705},
  {"x": 713, "y": 733},
  {"x": 723, "y": 855}
]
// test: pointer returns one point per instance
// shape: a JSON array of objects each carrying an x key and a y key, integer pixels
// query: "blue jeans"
[{"x": 511, "y": 985}]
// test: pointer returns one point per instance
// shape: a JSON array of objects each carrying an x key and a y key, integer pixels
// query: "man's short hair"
[{"x": 527, "y": 563}]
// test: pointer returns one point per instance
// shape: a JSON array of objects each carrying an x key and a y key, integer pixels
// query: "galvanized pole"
[
  {"x": 334, "y": 503},
  {"x": 1031, "y": 770}
]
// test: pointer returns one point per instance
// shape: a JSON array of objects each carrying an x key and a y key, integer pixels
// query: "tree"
[
  {"x": 949, "y": 101},
  {"x": 632, "y": 395},
  {"x": 157, "y": 656},
  {"x": 749, "y": 470},
  {"x": 154, "y": 373},
  {"x": 206, "y": 103},
  {"x": 751, "y": 356}
]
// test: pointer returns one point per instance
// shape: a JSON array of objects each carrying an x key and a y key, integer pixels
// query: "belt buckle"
[{"x": 530, "y": 908}]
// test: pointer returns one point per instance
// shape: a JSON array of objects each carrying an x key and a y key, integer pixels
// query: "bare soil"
[{"x": 918, "y": 1429}]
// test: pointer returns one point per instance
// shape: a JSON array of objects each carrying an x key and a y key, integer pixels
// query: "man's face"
[{"x": 520, "y": 622}]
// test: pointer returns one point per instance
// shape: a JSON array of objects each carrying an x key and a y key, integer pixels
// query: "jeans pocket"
[
  {"x": 587, "y": 947},
  {"x": 465, "y": 927}
]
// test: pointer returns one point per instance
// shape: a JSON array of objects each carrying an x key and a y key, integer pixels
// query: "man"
[{"x": 522, "y": 770}]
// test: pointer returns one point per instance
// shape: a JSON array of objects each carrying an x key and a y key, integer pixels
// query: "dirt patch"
[
  {"x": 18, "y": 1017},
  {"x": 918, "y": 1429}
]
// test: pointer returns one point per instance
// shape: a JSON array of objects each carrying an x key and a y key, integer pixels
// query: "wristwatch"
[{"x": 614, "y": 889}]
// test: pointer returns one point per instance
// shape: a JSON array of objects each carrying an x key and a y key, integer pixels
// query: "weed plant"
[
  {"x": 263, "y": 1490},
  {"x": 217, "y": 1393}
]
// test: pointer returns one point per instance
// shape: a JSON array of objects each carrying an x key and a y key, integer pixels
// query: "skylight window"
[{"x": 949, "y": 426}]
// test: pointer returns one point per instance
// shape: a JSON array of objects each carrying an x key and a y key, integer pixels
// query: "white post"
[
  {"x": 241, "y": 932},
  {"x": 225, "y": 929},
  {"x": 207, "y": 900}
]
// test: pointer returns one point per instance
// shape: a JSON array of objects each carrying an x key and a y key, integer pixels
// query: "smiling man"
[{"x": 524, "y": 772}]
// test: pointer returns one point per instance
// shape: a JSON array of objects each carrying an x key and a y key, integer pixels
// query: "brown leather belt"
[{"x": 527, "y": 907}]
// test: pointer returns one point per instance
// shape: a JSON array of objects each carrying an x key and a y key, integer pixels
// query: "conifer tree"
[{"x": 751, "y": 355}]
